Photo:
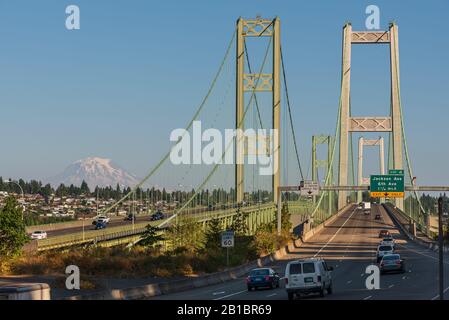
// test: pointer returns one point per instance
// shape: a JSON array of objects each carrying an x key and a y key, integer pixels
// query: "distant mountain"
[{"x": 96, "y": 172}]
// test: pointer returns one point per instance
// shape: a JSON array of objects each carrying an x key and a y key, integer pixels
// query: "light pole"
[
  {"x": 84, "y": 218},
  {"x": 21, "y": 190},
  {"x": 440, "y": 248}
]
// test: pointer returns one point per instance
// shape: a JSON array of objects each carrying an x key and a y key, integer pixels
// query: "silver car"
[
  {"x": 391, "y": 263},
  {"x": 384, "y": 250}
]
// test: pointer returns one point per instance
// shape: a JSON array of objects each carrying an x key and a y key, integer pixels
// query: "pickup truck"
[{"x": 103, "y": 219}]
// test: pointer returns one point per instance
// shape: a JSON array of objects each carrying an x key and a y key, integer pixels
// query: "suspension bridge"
[{"x": 249, "y": 91}]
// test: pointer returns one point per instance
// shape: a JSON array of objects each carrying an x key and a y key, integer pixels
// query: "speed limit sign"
[{"x": 227, "y": 239}]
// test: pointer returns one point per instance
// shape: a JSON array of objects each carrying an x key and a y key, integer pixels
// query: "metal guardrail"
[
  {"x": 91, "y": 236},
  {"x": 426, "y": 231},
  {"x": 127, "y": 231}
]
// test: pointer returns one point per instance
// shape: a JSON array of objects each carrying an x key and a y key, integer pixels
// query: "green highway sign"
[
  {"x": 396, "y": 171},
  {"x": 391, "y": 186}
]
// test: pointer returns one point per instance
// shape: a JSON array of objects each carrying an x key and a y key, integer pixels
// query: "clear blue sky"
[{"x": 138, "y": 69}]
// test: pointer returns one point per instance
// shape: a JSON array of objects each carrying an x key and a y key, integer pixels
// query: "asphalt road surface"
[
  {"x": 113, "y": 223},
  {"x": 349, "y": 245}
]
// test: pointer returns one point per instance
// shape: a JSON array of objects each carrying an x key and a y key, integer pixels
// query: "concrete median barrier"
[
  {"x": 307, "y": 235},
  {"x": 404, "y": 229},
  {"x": 25, "y": 291}
]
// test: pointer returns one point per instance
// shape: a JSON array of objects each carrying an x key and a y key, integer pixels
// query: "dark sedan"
[
  {"x": 392, "y": 263},
  {"x": 262, "y": 277},
  {"x": 130, "y": 217},
  {"x": 100, "y": 225},
  {"x": 384, "y": 233},
  {"x": 157, "y": 216}
]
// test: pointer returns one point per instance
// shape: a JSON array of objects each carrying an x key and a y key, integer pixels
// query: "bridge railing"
[{"x": 254, "y": 215}]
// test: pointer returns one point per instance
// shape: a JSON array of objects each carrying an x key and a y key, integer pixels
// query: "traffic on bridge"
[{"x": 250, "y": 183}]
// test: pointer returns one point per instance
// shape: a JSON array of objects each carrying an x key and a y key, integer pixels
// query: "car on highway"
[
  {"x": 262, "y": 277},
  {"x": 384, "y": 250},
  {"x": 39, "y": 235},
  {"x": 130, "y": 217},
  {"x": 157, "y": 216},
  {"x": 366, "y": 208},
  {"x": 377, "y": 217},
  {"x": 307, "y": 276},
  {"x": 100, "y": 225},
  {"x": 392, "y": 263},
  {"x": 384, "y": 233},
  {"x": 388, "y": 241},
  {"x": 104, "y": 219}
]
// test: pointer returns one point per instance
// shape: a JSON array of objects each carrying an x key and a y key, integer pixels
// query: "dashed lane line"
[
  {"x": 437, "y": 296},
  {"x": 333, "y": 237},
  {"x": 230, "y": 295}
]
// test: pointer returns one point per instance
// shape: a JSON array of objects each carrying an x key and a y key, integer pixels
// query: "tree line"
[{"x": 204, "y": 197}]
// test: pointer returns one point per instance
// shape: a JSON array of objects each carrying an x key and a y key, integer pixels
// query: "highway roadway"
[
  {"x": 89, "y": 226},
  {"x": 114, "y": 222},
  {"x": 349, "y": 245}
]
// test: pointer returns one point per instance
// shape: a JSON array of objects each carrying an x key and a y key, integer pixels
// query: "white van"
[{"x": 307, "y": 276}]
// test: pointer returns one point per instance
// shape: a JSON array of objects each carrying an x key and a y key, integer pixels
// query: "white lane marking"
[
  {"x": 366, "y": 298},
  {"x": 348, "y": 282},
  {"x": 438, "y": 295},
  {"x": 230, "y": 295},
  {"x": 362, "y": 274},
  {"x": 390, "y": 286},
  {"x": 217, "y": 293},
  {"x": 330, "y": 240},
  {"x": 420, "y": 253},
  {"x": 271, "y": 295}
]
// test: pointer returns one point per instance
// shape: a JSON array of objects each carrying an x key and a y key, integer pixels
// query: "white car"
[
  {"x": 104, "y": 219},
  {"x": 388, "y": 242},
  {"x": 39, "y": 235},
  {"x": 307, "y": 276},
  {"x": 384, "y": 250}
]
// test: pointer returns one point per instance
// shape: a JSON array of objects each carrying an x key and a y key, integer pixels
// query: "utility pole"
[{"x": 440, "y": 247}]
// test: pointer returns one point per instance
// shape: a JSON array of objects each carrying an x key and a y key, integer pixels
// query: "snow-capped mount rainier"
[{"x": 96, "y": 172}]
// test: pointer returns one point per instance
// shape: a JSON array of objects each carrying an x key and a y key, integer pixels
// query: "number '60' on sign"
[{"x": 227, "y": 239}]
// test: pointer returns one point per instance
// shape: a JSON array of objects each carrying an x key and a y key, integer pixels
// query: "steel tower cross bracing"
[
  {"x": 369, "y": 124},
  {"x": 266, "y": 82},
  {"x": 323, "y": 163}
]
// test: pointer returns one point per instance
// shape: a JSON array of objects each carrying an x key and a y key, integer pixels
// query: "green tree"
[
  {"x": 239, "y": 224},
  {"x": 12, "y": 229},
  {"x": 84, "y": 188},
  {"x": 285, "y": 218},
  {"x": 265, "y": 239},
  {"x": 212, "y": 236},
  {"x": 185, "y": 234},
  {"x": 150, "y": 236}
]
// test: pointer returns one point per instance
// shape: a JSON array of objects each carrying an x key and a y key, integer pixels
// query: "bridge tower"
[
  {"x": 247, "y": 82},
  {"x": 368, "y": 142},
  {"x": 323, "y": 163},
  {"x": 349, "y": 124}
]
